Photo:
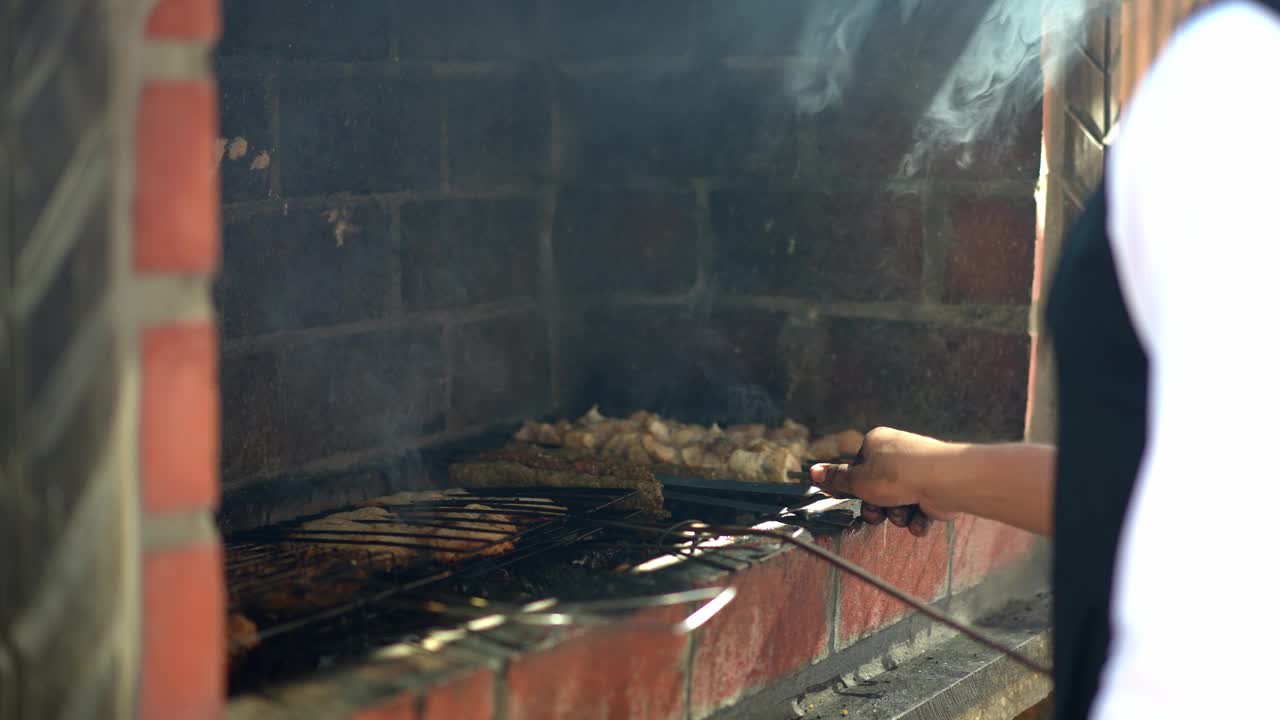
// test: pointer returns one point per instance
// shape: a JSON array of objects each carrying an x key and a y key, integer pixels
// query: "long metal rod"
[{"x": 695, "y": 528}]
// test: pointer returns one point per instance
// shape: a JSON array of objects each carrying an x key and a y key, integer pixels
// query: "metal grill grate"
[{"x": 343, "y": 590}]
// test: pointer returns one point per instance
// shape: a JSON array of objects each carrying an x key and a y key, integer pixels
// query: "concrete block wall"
[{"x": 440, "y": 218}]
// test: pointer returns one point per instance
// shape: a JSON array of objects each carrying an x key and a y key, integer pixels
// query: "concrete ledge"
[{"x": 947, "y": 676}]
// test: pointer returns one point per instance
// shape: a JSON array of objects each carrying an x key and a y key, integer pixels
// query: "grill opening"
[{"x": 306, "y": 596}]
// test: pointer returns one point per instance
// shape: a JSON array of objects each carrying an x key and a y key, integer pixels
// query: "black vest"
[
  {"x": 1102, "y": 413},
  {"x": 1102, "y": 429}
]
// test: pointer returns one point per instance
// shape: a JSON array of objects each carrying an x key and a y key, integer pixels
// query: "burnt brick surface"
[
  {"x": 358, "y": 135},
  {"x": 461, "y": 251},
  {"x": 625, "y": 240},
  {"x": 750, "y": 28},
  {"x": 777, "y": 625},
  {"x": 307, "y": 29},
  {"x": 753, "y": 125},
  {"x": 244, "y": 114},
  {"x": 674, "y": 363},
  {"x": 291, "y": 271},
  {"x": 677, "y": 123},
  {"x": 866, "y": 144},
  {"x": 592, "y": 676},
  {"x": 501, "y": 369},
  {"x": 590, "y": 29},
  {"x": 953, "y": 383},
  {"x": 982, "y": 547},
  {"x": 917, "y": 566},
  {"x": 1011, "y": 151},
  {"x": 474, "y": 30},
  {"x": 499, "y": 129},
  {"x": 638, "y": 123},
  {"x": 992, "y": 252},
  {"x": 818, "y": 245},
  {"x": 362, "y": 391},
  {"x": 252, "y": 415}
]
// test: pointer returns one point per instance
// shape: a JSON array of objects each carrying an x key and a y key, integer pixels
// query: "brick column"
[{"x": 175, "y": 252}]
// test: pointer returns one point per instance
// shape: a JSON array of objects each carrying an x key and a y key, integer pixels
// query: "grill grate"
[{"x": 340, "y": 592}]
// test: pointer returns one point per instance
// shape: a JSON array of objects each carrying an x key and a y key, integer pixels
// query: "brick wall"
[{"x": 440, "y": 217}]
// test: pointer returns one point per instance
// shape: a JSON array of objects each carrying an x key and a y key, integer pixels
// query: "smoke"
[{"x": 996, "y": 74}]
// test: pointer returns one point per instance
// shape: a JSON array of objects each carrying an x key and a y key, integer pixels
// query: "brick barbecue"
[{"x": 264, "y": 261}]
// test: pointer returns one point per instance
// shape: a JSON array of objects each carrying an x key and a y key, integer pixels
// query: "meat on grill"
[
  {"x": 751, "y": 453},
  {"x": 531, "y": 466},
  {"x": 376, "y": 532}
]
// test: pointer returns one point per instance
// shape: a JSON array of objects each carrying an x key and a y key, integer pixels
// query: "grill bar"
[{"x": 291, "y": 556}]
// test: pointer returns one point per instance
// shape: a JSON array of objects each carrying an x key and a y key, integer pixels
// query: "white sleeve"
[{"x": 1195, "y": 227}]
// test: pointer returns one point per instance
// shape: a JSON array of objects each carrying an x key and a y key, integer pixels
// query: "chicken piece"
[
  {"x": 635, "y": 451},
  {"x": 746, "y": 465},
  {"x": 659, "y": 452},
  {"x": 528, "y": 432},
  {"x": 842, "y": 444},
  {"x": 692, "y": 455},
  {"x": 799, "y": 448},
  {"x": 721, "y": 448},
  {"x": 607, "y": 430},
  {"x": 686, "y": 435},
  {"x": 767, "y": 466},
  {"x": 593, "y": 416},
  {"x": 617, "y": 445},
  {"x": 824, "y": 448},
  {"x": 790, "y": 432},
  {"x": 640, "y": 417},
  {"x": 777, "y": 464},
  {"x": 746, "y": 432},
  {"x": 548, "y": 435},
  {"x": 658, "y": 430},
  {"x": 580, "y": 440}
]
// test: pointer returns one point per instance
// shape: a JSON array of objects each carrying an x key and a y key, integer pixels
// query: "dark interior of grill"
[{"x": 444, "y": 219}]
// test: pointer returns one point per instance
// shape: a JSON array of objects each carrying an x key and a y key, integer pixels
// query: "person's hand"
[{"x": 898, "y": 479}]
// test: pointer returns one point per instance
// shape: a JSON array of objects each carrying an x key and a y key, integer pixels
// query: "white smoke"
[{"x": 998, "y": 76}]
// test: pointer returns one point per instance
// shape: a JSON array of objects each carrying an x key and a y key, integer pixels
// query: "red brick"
[
  {"x": 777, "y": 625},
  {"x": 468, "y": 697},
  {"x": 992, "y": 253},
  {"x": 183, "y": 611},
  {"x": 947, "y": 382},
  {"x": 175, "y": 204},
  {"x": 179, "y": 418},
  {"x": 404, "y": 706},
  {"x": 629, "y": 672},
  {"x": 653, "y": 247},
  {"x": 983, "y": 547},
  {"x": 185, "y": 20},
  {"x": 917, "y": 566},
  {"x": 822, "y": 245}
]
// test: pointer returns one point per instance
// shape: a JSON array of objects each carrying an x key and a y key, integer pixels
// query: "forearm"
[{"x": 1011, "y": 483}]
